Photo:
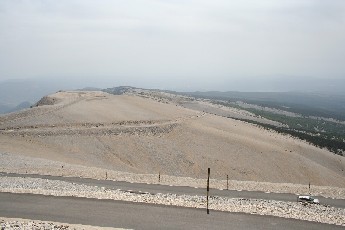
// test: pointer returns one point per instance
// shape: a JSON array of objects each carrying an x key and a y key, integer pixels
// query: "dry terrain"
[{"x": 137, "y": 134}]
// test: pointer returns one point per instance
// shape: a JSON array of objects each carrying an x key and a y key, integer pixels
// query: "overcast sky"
[{"x": 173, "y": 43}]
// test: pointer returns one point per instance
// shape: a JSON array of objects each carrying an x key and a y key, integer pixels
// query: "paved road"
[
  {"x": 109, "y": 213},
  {"x": 154, "y": 188}
]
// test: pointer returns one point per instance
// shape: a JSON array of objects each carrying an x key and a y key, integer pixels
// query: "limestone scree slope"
[{"x": 136, "y": 134}]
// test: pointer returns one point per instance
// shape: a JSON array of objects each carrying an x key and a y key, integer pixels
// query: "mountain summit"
[{"x": 147, "y": 131}]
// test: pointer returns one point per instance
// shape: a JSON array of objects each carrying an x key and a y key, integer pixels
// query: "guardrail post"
[{"x": 208, "y": 189}]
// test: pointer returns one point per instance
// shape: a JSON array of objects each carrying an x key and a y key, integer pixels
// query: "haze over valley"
[{"x": 172, "y": 114}]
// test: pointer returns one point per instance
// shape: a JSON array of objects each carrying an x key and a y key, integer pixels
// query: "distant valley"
[{"x": 318, "y": 118}]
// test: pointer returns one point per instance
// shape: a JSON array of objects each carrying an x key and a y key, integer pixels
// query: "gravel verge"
[
  {"x": 14, "y": 163},
  {"x": 17, "y": 223},
  {"x": 309, "y": 212}
]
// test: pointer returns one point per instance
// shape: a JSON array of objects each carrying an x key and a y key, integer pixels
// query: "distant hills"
[
  {"x": 20, "y": 94},
  {"x": 317, "y": 118},
  {"x": 304, "y": 103},
  {"x": 118, "y": 90}
]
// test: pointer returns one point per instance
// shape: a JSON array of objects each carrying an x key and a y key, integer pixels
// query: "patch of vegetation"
[
  {"x": 327, "y": 129},
  {"x": 334, "y": 145},
  {"x": 319, "y": 132},
  {"x": 118, "y": 90},
  {"x": 227, "y": 104},
  {"x": 309, "y": 124},
  {"x": 304, "y": 110},
  {"x": 306, "y": 104}
]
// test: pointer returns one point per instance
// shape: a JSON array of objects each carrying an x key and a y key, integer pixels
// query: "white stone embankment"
[
  {"x": 310, "y": 212},
  {"x": 17, "y": 223},
  {"x": 13, "y": 163}
]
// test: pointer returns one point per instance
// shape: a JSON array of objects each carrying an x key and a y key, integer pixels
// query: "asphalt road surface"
[
  {"x": 155, "y": 188},
  {"x": 109, "y": 213}
]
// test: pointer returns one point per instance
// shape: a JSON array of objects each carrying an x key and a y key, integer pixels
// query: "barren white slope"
[{"x": 134, "y": 134}]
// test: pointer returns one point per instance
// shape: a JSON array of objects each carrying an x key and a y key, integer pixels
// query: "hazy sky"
[{"x": 173, "y": 43}]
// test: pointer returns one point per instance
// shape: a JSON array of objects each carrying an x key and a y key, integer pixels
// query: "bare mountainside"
[{"x": 141, "y": 134}]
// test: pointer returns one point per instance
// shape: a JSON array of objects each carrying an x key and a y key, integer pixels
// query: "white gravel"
[
  {"x": 16, "y": 223},
  {"x": 317, "y": 213},
  {"x": 14, "y": 163}
]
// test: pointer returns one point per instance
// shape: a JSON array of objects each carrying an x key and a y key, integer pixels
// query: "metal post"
[
  {"x": 208, "y": 189},
  {"x": 227, "y": 182},
  {"x": 309, "y": 188},
  {"x": 159, "y": 177}
]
